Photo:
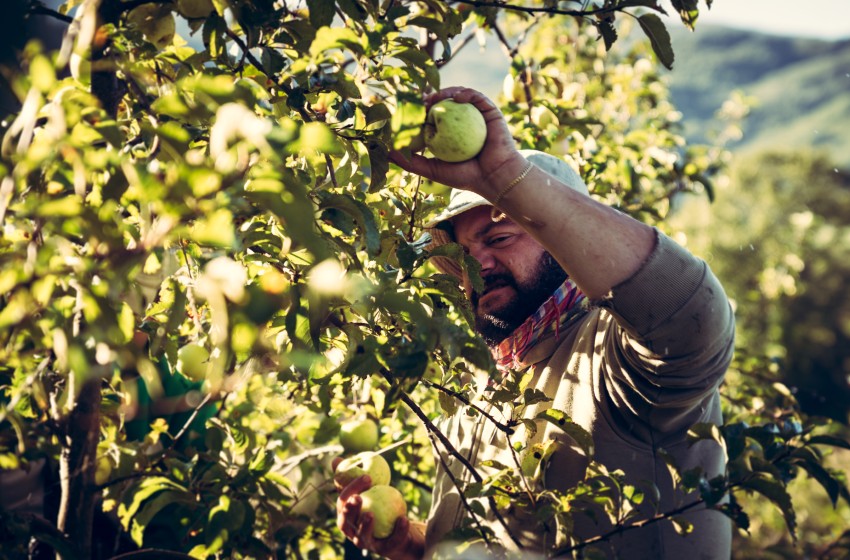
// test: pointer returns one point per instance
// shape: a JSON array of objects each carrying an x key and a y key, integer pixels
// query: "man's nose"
[{"x": 484, "y": 257}]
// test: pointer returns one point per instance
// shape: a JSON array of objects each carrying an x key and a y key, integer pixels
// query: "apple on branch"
[
  {"x": 356, "y": 436},
  {"x": 453, "y": 131},
  {"x": 192, "y": 361}
]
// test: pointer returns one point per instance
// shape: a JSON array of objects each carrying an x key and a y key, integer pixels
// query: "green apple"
[
  {"x": 454, "y": 131},
  {"x": 513, "y": 88},
  {"x": 81, "y": 67},
  {"x": 192, "y": 361},
  {"x": 193, "y": 9},
  {"x": 155, "y": 22},
  {"x": 386, "y": 504},
  {"x": 367, "y": 462},
  {"x": 356, "y": 436},
  {"x": 544, "y": 117},
  {"x": 103, "y": 470}
]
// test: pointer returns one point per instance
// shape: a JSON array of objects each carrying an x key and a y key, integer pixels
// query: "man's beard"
[{"x": 498, "y": 325}]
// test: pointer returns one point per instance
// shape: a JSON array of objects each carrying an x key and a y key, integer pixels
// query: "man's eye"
[{"x": 495, "y": 240}]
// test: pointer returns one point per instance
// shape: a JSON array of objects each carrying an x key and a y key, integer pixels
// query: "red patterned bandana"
[{"x": 555, "y": 312}]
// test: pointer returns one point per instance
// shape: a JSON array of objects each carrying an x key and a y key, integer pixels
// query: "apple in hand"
[
  {"x": 367, "y": 462},
  {"x": 386, "y": 504},
  {"x": 356, "y": 436},
  {"x": 454, "y": 132},
  {"x": 192, "y": 361}
]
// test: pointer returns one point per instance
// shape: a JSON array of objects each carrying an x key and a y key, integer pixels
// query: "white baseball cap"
[{"x": 461, "y": 201}]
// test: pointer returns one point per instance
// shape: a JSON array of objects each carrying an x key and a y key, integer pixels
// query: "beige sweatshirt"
[{"x": 636, "y": 371}]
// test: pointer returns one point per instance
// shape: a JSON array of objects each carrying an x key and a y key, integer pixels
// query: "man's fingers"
[
  {"x": 348, "y": 521},
  {"x": 398, "y": 538},
  {"x": 357, "y": 486}
]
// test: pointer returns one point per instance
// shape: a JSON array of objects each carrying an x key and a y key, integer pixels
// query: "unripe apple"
[
  {"x": 193, "y": 9},
  {"x": 80, "y": 68},
  {"x": 356, "y": 436},
  {"x": 386, "y": 504},
  {"x": 103, "y": 470},
  {"x": 454, "y": 131},
  {"x": 192, "y": 361},
  {"x": 513, "y": 89},
  {"x": 367, "y": 462},
  {"x": 544, "y": 117},
  {"x": 155, "y": 22}
]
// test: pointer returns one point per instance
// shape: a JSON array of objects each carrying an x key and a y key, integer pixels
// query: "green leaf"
[
  {"x": 682, "y": 525},
  {"x": 565, "y": 423},
  {"x": 140, "y": 493},
  {"x": 361, "y": 214},
  {"x": 776, "y": 493},
  {"x": 379, "y": 164},
  {"x": 152, "y": 507},
  {"x": 216, "y": 230},
  {"x": 829, "y": 440},
  {"x": 328, "y": 38},
  {"x": 703, "y": 431},
  {"x": 321, "y": 12},
  {"x": 688, "y": 11},
  {"x": 659, "y": 38},
  {"x": 607, "y": 31},
  {"x": 407, "y": 120},
  {"x": 833, "y": 486}
]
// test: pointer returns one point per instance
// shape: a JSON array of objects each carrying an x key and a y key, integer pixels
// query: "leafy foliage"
[{"x": 237, "y": 195}]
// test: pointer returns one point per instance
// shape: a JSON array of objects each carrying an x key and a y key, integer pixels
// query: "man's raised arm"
[{"x": 598, "y": 246}]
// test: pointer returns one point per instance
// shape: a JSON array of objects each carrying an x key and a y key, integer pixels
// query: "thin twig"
[
  {"x": 457, "y": 485},
  {"x": 447, "y": 445},
  {"x": 412, "y": 223},
  {"x": 532, "y": 10},
  {"x": 42, "y": 10},
  {"x": 506, "y": 428}
]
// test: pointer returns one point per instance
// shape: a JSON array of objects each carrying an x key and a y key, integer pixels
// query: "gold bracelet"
[{"x": 512, "y": 184}]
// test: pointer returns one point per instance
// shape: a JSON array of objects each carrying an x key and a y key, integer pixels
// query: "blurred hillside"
[{"x": 801, "y": 87}]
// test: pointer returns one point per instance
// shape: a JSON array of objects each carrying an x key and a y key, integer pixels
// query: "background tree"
[{"x": 233, "y": 196}]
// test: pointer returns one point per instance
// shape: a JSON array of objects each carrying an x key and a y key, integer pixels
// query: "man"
[{"x": 623, "y": 329}]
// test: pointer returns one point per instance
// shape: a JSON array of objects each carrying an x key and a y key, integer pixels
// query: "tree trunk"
[{"x": 77, "y": 466}]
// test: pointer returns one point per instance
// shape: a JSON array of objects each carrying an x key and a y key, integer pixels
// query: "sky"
[{"x": 825, "y": 19}]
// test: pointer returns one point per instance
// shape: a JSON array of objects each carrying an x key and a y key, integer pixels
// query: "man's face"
[{"x": 518, "y": 273}]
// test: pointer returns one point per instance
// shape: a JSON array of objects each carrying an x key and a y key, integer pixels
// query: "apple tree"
[{"x": 209, "y": 265}]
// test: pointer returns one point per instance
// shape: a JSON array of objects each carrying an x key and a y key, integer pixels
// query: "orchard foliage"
[{"x": 234, "y": 192}]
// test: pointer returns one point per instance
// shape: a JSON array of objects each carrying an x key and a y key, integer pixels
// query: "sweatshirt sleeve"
[{"x": 673, "y": 335}]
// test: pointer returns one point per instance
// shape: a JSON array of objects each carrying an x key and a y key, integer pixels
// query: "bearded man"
[{"x": 624, "y": 330}]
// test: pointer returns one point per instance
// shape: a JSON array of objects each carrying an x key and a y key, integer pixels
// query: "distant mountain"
[{"x": 801, "y": 87}]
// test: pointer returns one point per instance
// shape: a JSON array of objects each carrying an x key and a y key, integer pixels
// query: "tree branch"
[
  {"x": 506, "y": 428},
  {"x": 530, "y": 10},
  {"x": 39, "y": 9},
  {"x": 447, "y": 445}
]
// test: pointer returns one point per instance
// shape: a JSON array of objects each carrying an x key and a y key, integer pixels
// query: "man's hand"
[
  {"x": 498, "y": 158},
  {"x": 407, "y": 540}
]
